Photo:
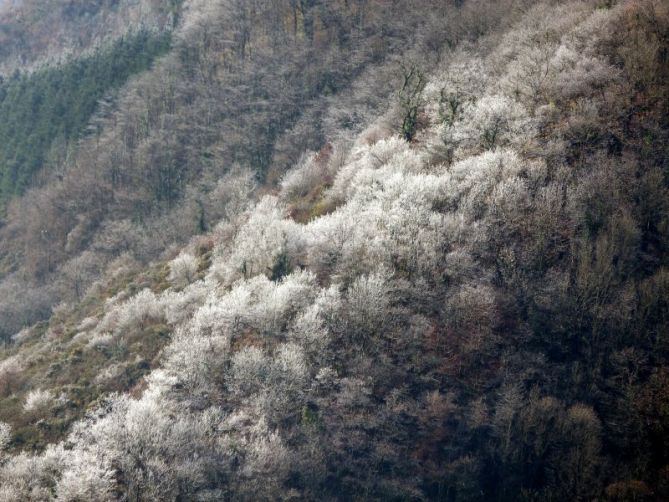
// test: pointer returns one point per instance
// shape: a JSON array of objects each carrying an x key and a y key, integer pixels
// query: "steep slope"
[
  {"x": 61, "y": 61},
  {"x": 464, "y": 301},
  {"x": 227, "y": 96}
]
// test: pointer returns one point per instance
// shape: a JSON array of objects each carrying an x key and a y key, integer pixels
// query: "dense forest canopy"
[{"x": 340, "y": 250}]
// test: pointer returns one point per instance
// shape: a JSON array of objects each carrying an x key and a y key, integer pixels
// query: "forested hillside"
[
  {"x": 45, "y": 111},
  {"x": 227, "y": 97},
  {"x": 347, "y": 250}
]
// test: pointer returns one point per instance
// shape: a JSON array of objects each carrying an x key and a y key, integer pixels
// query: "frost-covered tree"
[
  {"x": 312, "y": 329},
  {"x": 279, "y": 302},
  {"x": 155, "y": 454},
  {"x": 29, "y": 477},
  {"x": 287, "y": 383},
  {"x": 84, "y": 478},
  {"x": 450, "y": 90},
  {"x": 197, "y": 361},
  {"x": 265, "y": 238},
  {"x": 180, "y": 306},
  {"x": 248, "y": 371},
  {"x": 410, "y": 99},
  {"x": 267, "y": 458},
  {"x": 308, "y": 174},
  {"x": 493, "y": 121},
  {"x": 471, "y": 181},
  {"x": 435, "y": 325},
  {"x": 367, "y": 305}
]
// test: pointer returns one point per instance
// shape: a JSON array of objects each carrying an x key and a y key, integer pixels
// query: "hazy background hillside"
[
  {"x": 35, "y": 32},
  {"x": 334, "y": 250}
]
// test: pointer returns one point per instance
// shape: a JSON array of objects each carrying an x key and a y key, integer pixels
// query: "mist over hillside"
[
  {"x": 334, "y": 250},
  {"x": 34, "y": 33},
  {"x": 5, "y": 4}
]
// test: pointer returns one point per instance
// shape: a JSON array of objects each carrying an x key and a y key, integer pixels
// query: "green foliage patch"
[{"x": 41, "y": 113}]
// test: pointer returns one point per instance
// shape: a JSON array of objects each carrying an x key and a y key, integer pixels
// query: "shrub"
[
  {"x": 5, "y": 436},
  {"x": 134, "y": 314},
  {"x": 10, "y": 374},
  {"x": 180, "y": 306},
  {"x": 183, "y": 270},
  {"x": 300, "y": 180},
  {"x": 38, "y": 400}
]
